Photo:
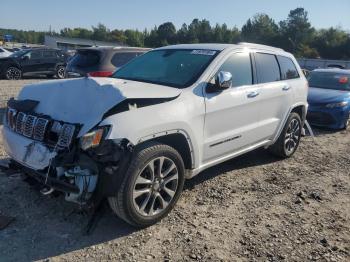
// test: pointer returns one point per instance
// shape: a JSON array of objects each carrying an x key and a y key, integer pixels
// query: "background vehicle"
[
  {"x": 329, "y": 98},
  {"x": 100, "y": 61},
  {"x": 38, "y": 61},
  {"x": 4, "y": 52},
  {"x": 163, "y": 117},
  {"x": 311, "y": 64}
]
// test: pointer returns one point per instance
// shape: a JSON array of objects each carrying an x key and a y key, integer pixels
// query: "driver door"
[{"x": 232, "y": 115}]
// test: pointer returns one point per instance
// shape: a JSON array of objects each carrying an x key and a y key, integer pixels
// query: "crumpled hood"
[
  {"x": 85, "y": 100},
  {"x": 322, "y": 95}
]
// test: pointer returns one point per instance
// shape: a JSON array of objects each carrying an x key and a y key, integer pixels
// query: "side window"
[
  {"x": 1, "y": 51},
  {"x": 34, "y": 54},
  {"x": 288, "y": 68},
  {"x": 239, "y": 65},
  {"x": 120, "y": 59},
  {"x": 267, "y": 68},
  {"x": 49, "y": 54}
]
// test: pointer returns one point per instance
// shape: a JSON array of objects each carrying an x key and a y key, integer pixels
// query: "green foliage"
[{"x": 294, "y": 34}]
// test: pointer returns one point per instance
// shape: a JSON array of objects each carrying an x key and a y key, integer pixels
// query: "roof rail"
[{"x": 258, "y": 46}]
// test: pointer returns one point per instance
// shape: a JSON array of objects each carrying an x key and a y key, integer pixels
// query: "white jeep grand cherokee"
[{"x": 163, "y": 117}]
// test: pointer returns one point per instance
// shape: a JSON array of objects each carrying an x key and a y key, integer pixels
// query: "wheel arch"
[
  {"x": 178, "y": 139},
  {"x": 299, "y": 108}
]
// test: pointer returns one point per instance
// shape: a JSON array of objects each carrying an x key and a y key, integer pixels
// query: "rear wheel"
[
  {"x": 61, "y": 72},
  {"x": 151, "y": 187},
  {"x": 13, "y": 73},
  {"x": 289, "y": 139}
]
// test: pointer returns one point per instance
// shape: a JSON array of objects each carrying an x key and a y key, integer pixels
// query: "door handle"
[
  {"x": 253, "y": 94},
  {"x": 286, "y": 88}
]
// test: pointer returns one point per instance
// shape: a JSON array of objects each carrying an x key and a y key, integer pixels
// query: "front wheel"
[
  {"x": 151, "y": 186},
  {"x": 13, "y": 73},
  {"x": 289, "y": 139}
]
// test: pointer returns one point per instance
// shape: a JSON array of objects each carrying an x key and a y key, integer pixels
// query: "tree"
[
  {"x": 260, "y": 29},
  {"x": 331, "y": 43},
  {"x": 100, "y": 32},
  {"x": 296, "y": 31},
  {"x": 166, "y": 34}
]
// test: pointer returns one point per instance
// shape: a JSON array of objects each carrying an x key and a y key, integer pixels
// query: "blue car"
[{"x": 329, "y": 98}]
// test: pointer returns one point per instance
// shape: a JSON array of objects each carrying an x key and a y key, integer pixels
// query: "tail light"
[{"x": 100, "y": 74}]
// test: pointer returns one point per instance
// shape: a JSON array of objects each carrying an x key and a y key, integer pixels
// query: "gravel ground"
[{"x": 252, "y": 208}]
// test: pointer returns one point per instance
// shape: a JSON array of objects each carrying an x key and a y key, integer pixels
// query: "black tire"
[
  {"x": 124, "y": 202},
  {"x": 289, "y": 139},
  {"x": 13, "y": 73},
  {"x": 61, "y": 72}
]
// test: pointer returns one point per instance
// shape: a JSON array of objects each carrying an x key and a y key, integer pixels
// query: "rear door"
[
  {"x": 276, "y": 94},
  {"x": 49, "y": 60},
  {"x": 32, "y": 62}
]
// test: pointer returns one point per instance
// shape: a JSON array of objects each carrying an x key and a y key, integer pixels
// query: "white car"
[
  {"x": 163, "y": 117},
  {"x": 4, "y": 52}
]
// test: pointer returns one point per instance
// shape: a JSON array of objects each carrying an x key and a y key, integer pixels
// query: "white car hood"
[{"x": 85, "y": 100}]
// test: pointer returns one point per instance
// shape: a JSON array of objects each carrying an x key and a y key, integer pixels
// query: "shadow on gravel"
[{"x": 255, "y": 158}]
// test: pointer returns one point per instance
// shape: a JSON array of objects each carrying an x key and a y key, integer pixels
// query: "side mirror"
[
  {"x": 223, "y": 80},
  {"x": 24, "y": 58}
]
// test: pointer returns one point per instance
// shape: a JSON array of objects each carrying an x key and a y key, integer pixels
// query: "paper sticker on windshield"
[{"x": 203, "y": 52}]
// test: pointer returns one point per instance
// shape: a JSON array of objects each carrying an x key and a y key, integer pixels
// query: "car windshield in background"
[
  {"x": 85, "y": 58},
  {"x": 330, "y": 80},
  {"x": 19, "y": 53},
  {"x": 171, "y": 67}
]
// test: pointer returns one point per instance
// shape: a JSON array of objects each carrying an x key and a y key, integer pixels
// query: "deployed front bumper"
[{"x": 27, "y": 152}]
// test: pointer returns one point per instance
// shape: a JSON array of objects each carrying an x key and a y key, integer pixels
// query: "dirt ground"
[{"x": 252, "y": 208}]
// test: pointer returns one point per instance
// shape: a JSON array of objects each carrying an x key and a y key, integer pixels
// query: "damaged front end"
[{"x": 84, "y": 168}]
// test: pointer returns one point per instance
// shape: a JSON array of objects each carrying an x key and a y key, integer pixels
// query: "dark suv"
[
  {"x": 101, "y": 61},
  {"x": 38, "y": 61}
]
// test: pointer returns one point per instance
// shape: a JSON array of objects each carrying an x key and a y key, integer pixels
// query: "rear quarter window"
[
  {"x": 288, "y": 68},
  {"x": 267, "y": 68},
  {"x": 85, "y": 59},
  {"x": 120, "y": 59}
]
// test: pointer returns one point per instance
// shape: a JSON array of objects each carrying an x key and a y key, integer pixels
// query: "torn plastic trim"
[
  {"x": 134, "y": 103},
  {"x": 25, "y": 105}
]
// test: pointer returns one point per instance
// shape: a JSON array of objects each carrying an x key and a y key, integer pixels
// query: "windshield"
[
  {"x": 19, "y": 53},
  {"x": 330, "y": 80},
  {"x": 171, "y": 67}
]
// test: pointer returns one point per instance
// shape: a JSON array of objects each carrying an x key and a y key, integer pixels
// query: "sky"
[{"x": 132, "y": 14}]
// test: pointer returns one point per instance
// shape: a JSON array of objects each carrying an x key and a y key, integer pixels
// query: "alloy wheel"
[
  {"x": 292, "y": 136},
  {"x": 155, "y": 186},
  {"x": 61, "y": 72},
  {"x": 13, "y": 73}
]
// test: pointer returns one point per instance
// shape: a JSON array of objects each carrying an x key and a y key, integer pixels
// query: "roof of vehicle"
[
  {"x": 333, "y": 70},
  {"x": 220, "y": 47},
  {"x": 115, "y": 48}
]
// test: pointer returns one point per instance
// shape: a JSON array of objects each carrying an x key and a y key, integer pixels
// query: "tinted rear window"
[
  {"x": 288, "y": 68},
  {"x": 120, "y": 59},
  {"x": 85, "y": 58},
  {"x": 267, "y": 68},
  {"x": 329, "y": 80}
]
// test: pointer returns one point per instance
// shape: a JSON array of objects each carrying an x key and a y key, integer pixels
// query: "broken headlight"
[{"x": 93, "y": 138}]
